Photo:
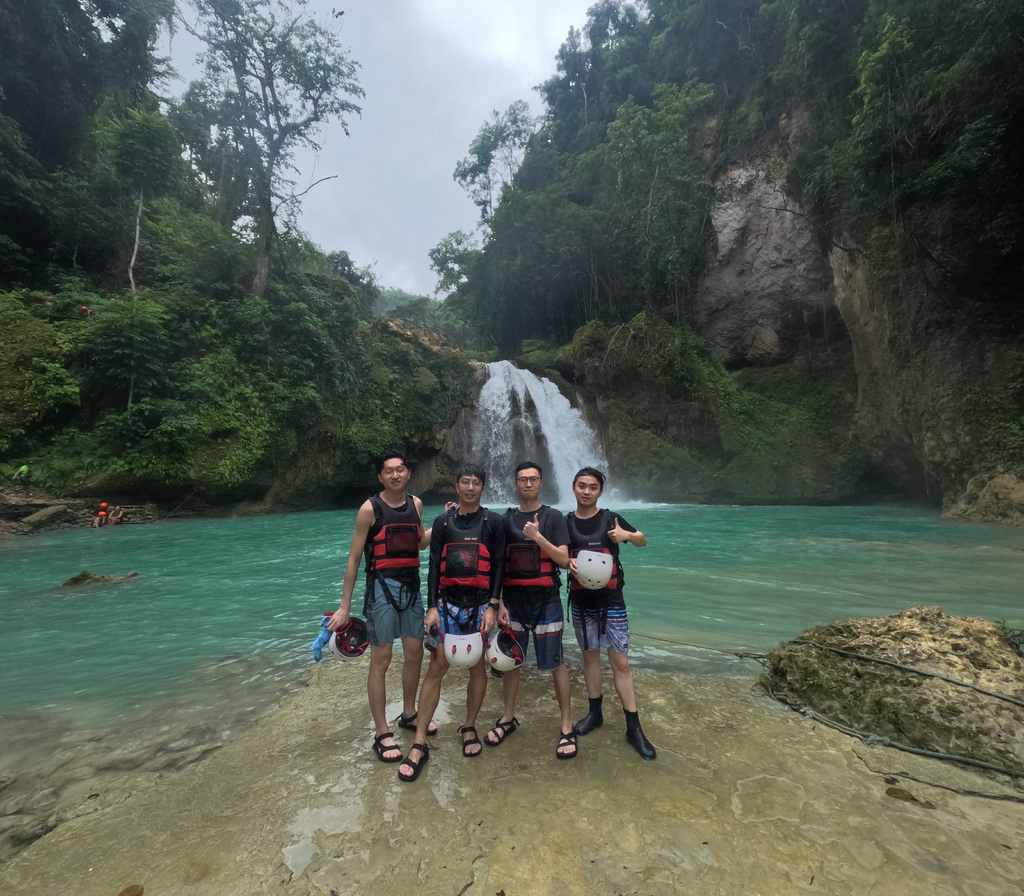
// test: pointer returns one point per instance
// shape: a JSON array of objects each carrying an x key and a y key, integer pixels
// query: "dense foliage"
[
  {"x": 913, "y": 114},
  {"x": 165, "y": 327}
]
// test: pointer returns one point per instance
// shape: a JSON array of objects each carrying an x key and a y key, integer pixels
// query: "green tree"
[
  {"x": 276, "y": 77},
  {"x": 495, "y": 155}
]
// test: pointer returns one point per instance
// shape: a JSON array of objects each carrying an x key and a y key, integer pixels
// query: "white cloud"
[{"x": 433, "y": 70}]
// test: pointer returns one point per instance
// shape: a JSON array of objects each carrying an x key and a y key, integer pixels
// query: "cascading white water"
[{"x": 523, "y": 417}]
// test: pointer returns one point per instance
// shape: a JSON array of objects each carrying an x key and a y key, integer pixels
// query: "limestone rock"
[
  {"x": 918, "y": 711},
  {"x": 47, "y": 517},
  {"x": 770, "y": 282},
  {"x": 991, "y": 498}
]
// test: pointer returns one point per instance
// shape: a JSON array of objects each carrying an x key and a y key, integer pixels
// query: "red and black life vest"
[
  {"x": 465, "y": 557},
  {"x": 393, "y": 542},
  {"x": 526, "y": 563},
  {"x": 599, "y": 542}
]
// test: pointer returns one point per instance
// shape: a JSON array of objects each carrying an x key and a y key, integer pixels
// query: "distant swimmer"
[
  {"x": 597, "y": 602},
  {"x": 389, "y": 534},
  {"x": 537, "y": 542},
  {"x": 467, "y": 553}
]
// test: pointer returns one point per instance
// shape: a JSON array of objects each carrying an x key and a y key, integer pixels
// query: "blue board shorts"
[
  {"x": 543, "y": 616},
  {"x": 399, "y": 617},
  {"x": 606, "y": 626},
  {"x": 460, "y": 620}
]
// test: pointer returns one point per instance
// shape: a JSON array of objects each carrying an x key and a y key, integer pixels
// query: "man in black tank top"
[
  {"x": 536, "y": 547},
  {"x": 393, "y": 605},
  {"x": 599, "y": 616},
  {"x": 467, "y": 555}
]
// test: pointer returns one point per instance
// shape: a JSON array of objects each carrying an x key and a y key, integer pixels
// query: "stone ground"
[{"x": 745, "y": 798}]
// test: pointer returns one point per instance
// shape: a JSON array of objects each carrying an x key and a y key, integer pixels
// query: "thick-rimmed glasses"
[{"x": 528, "y": 480}]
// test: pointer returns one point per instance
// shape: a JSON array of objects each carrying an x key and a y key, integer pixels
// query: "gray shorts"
[
  {"x": 605, "y": 627},
  {"x": 399, "y": 617}
]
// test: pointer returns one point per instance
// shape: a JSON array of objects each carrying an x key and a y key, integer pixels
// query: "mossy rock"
[{"x": 861, "y": 673}]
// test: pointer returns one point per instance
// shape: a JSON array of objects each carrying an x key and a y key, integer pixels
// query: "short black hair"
[
  {"x": 528, "y": 465},
  {"x": 388, "y": 455},
  {"x": 471, "y": 470},
  {"x": 590, "y": 471}
]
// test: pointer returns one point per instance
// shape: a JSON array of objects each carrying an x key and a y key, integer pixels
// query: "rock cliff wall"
[
  {"x": 770, "y": 283},
  {"x": 773, "y": 285}
]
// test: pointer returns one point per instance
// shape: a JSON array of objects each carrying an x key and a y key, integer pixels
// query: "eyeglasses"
[
  {"x": 474, "y": 482},
  {"x": 528, "y": 480}
]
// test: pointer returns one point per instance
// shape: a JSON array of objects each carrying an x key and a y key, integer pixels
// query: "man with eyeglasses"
[
  {"x": 537, "y": 540},
  {"x": 389, "y": 533},
  {"x": 467, "y": 556}
]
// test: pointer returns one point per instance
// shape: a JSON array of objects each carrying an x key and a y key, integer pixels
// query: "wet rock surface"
[
  {"x": 859, "y": 672},
  {"x": 745, "y": 797}
]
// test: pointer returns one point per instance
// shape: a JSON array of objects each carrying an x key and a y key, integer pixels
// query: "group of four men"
[{"x": 484, "y": 570}]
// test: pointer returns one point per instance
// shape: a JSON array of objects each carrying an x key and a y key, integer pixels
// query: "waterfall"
[{"x": 519, "y": 417}]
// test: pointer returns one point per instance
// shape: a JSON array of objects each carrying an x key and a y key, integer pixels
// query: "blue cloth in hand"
[{"x": 321, "y": 640}]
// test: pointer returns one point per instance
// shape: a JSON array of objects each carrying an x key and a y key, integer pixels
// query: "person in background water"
[
  {"x": 467, "y": 553},
  {"x": 116, "y": 515},
  {"x": 536, "y": 545},
  {"x": 599, "y": 616},
  {"x": 389, "y": 533}
]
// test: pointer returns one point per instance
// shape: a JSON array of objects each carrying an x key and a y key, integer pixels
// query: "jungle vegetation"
[
  {"x": 911, "y": 149},
  {"x": 166, "y": 327}
]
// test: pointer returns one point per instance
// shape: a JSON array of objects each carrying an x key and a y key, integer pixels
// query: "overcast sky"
[{"x": 433, "y": 71}]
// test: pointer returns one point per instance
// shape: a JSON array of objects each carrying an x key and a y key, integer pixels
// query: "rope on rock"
[
  {"x": 873, "y": 739},
  {"x": 875, "y": 659}
]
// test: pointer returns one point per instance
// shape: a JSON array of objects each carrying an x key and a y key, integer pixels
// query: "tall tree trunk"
[
  {"x": 135, "y": 249},
  {"x": 264, "y": 244}
]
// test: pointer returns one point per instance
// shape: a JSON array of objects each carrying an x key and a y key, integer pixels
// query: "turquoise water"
[{"x": 219, "y": 622}]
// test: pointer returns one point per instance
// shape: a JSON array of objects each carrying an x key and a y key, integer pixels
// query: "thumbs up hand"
[
  {"x": 532, "y": 529},
  {"x": 617, "y": 534}
]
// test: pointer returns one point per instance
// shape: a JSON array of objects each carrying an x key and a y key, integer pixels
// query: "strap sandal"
[
  {"x": 417, "y": 767},
  {"x": 409, "y": 724},
  {"x": 566, "y": 740},
  {"x": 471, "y": 742},
  {"x": 380, "y": 748},
  {"x": 500, "y": 731}
]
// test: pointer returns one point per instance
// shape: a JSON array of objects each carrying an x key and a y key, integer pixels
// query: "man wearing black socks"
[{"x": 599, "y": 614}]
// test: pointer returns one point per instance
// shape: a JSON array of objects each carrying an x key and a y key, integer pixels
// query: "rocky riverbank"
[
  {"x": 34, "y": 510},
  {"x": 745, "y": 797}
]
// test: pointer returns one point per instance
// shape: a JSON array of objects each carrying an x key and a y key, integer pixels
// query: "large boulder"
[
  {"x": 991, "y": 498},
  {"x": 859, "y": 673}
]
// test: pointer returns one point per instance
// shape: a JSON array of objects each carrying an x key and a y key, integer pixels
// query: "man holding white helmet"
[
  {"x": 597, "y": 602},
  {"x": 536, "y": 546},
  {"x": 467, "y": 555}
]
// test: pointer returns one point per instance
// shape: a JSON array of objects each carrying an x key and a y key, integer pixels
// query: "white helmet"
[
  {"x": 593, "y": 569},
  {"x": 464, "y": 650},
  {"x": 503, "y": 651}
]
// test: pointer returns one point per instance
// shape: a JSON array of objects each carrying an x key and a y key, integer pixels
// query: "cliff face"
[
  {"x": 774, "y": 292},
  {"x": 770, "y": 283}
]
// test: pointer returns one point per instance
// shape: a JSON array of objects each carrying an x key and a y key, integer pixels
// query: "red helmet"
[{"x": 352, "y": 640}]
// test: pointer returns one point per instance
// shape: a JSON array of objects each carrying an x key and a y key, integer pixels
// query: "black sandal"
[
  {"x": 409, "y": 724},
  {"x": 380, "y": 749},
  {"x": 468, "y": 743},
  {"x": 569, "y": 738},
  {"x": 417, "y": 767},
  {"x": 501, "y": 730}
]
